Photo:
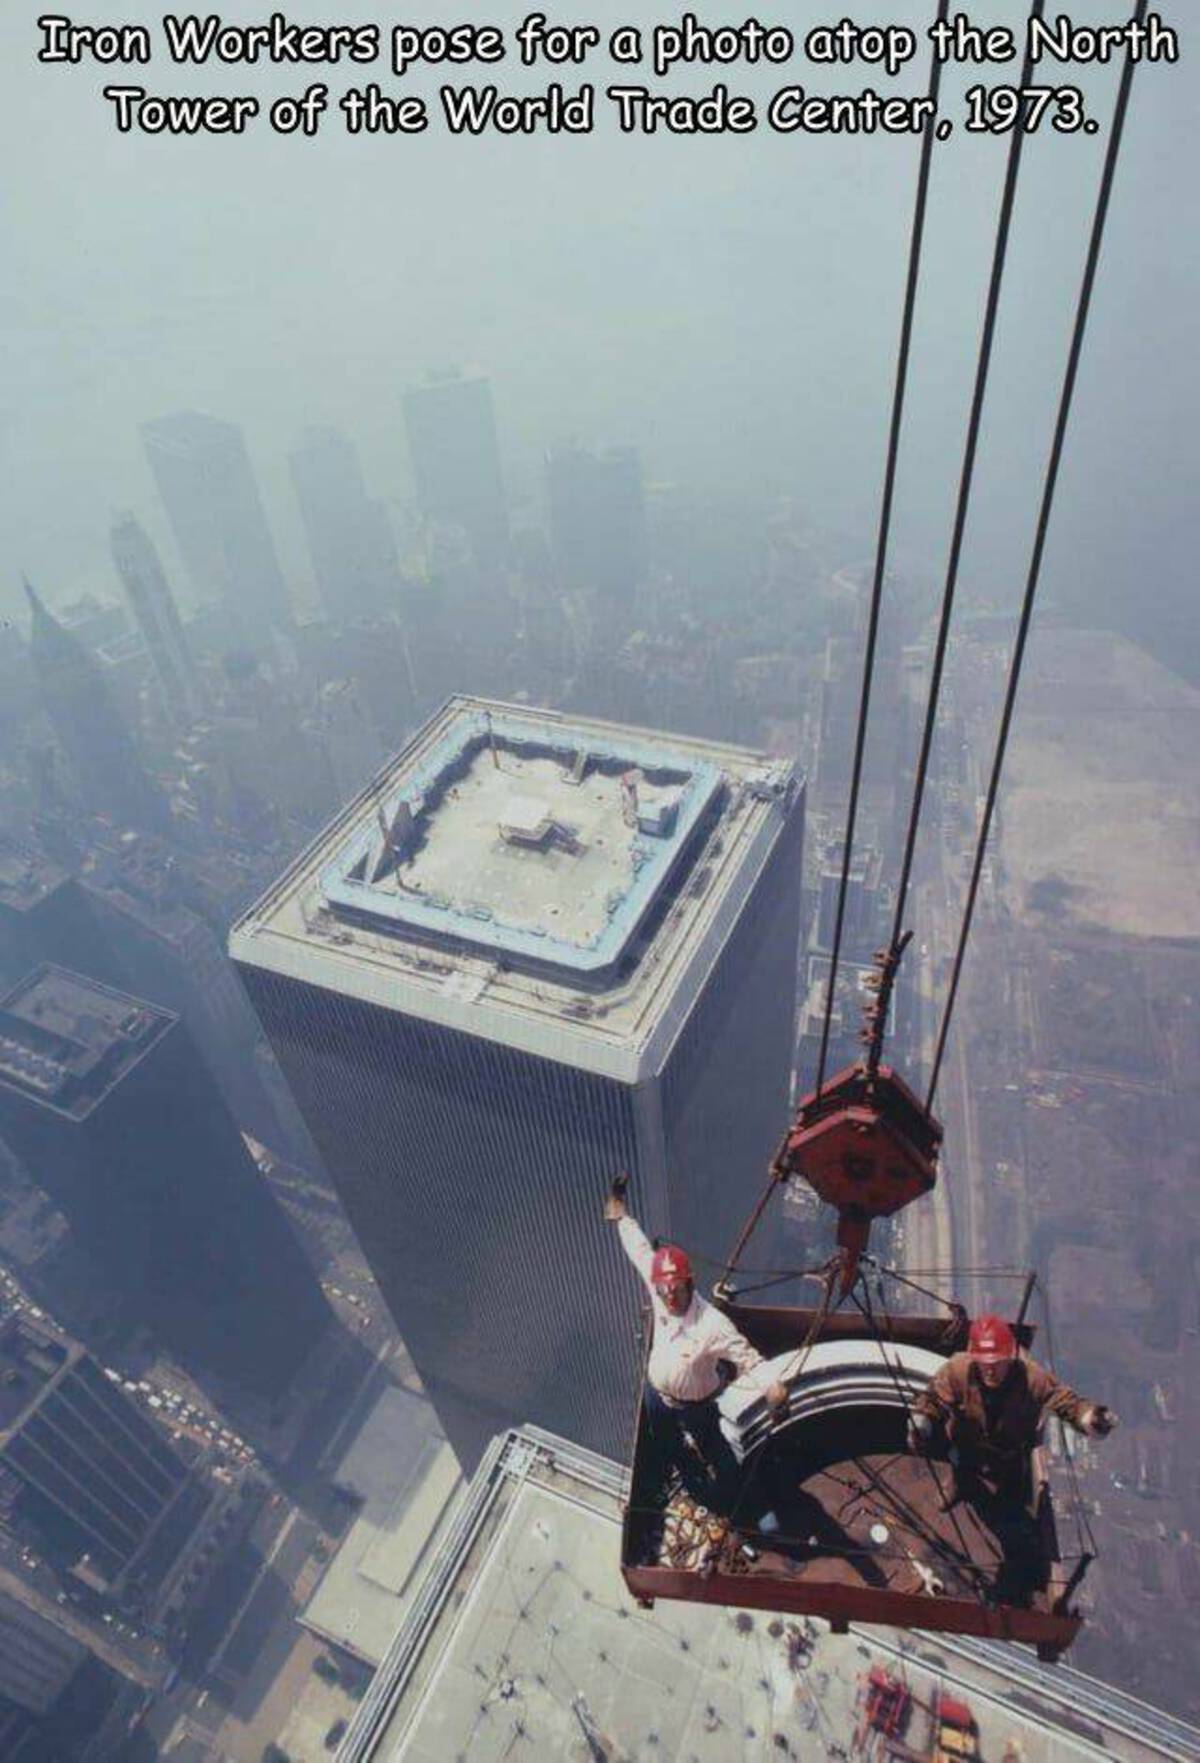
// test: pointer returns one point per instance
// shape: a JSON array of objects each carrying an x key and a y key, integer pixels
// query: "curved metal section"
[{"x": 835, "y": 1376}]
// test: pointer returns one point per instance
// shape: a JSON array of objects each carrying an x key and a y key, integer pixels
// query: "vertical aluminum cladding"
[{"x": 475, "y": 1063}]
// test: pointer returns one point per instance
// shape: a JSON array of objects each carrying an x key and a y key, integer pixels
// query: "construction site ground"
[{"x": 1071, "y": 1102}]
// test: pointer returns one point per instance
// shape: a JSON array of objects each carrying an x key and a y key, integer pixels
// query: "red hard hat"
[
  {"x": 991, "y": 1340},
  {"x": 670, "y": 1267}
]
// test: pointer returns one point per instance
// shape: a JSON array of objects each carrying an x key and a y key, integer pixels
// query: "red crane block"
[{"x": 867, "y": 1147}]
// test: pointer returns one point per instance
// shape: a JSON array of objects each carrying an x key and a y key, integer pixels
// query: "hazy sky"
[{"x": 730, "y": 306}]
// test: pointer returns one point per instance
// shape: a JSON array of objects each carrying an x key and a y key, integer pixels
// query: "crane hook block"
[{"x": 867, "y": 1147}]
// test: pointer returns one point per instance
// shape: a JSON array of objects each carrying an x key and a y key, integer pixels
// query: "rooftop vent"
[{"x": 526, "y": 821}]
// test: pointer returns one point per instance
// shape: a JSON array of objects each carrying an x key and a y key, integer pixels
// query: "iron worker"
[
  {"x": 988, "y": 1405},
  {"x": 683, "y": 1378}
]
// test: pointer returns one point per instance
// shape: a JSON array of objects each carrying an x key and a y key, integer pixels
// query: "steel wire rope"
[
  {"x": 966, "y": 480},
  {"x": 800, "y": 1358},
  {"x": 1083, "y": 308},
  {"x": 882, "y": 1273},
  {"x": 1079, "y": 1512},
  {"x": 963, "y": 1565},
  {"x": 885, "y": 522},
  {"x": 867, "y": 1310},
  {"x": 916, "y": 239}
]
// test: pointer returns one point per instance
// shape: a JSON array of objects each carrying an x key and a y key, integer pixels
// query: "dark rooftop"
[
  {"x": 31, "y": 1356},
  {"x": 66, "y": 1041}
]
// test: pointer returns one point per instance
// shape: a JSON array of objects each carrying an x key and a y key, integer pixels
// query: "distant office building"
[
  {"x": 148, "y": 942},
  {"x": 97, "y": 1478},
  {"x": 93, "y": 622},
  {"x": 212, "y": 499},
  {"x": 37, "y": 1659},
  {"x": 861, "y": 923},
  {"x": 537, "y": 952},
  {"x": 107, "y": 774},
  {"x": 16, "y": 685},
  {"x": 111, "y": 1110},
  {"x": 852, "y": 996},
  {"x": 343, "y": 727},
  {"x": 124, "y": 924},
  {"x": 598, "y": 521},
  {"x": 456, "y": 459},
  {"x": 404, "y": 1482},
  {"x": 156, "y": 615},
  {"x": 43, "y": 916},
  {"x": 22, "y": 1739},
  {"x": 349, "y": 540}
]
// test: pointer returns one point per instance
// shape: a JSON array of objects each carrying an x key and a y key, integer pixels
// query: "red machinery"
[{"x": 863, "y": 1141}]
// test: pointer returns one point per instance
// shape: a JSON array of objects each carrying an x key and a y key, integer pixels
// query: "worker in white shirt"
[{"x": 690, "y": 1339}]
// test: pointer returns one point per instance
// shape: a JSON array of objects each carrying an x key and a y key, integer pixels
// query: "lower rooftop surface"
[
  {"x": 539, "y": 1652},
  {"x": 65, "y": 1040}
]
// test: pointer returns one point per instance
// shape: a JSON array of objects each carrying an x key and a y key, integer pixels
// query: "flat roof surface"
[
  {"x": 525, "y": 838},
  {"x": 406, "y": 1476},
  {"x": 556, "y": 883},
  {"x": 66, "y": 1040},
  {"x": 532, "y": 1647}
]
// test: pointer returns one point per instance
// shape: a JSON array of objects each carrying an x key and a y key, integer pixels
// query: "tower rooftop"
[
  {"x": 66, "y": 1041},
  {"x": 553, "y": 882}
]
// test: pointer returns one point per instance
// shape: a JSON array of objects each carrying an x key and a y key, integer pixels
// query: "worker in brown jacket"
[{"x": 989, "y": 1404}]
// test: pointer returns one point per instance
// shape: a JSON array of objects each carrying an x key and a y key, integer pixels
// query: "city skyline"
[{"x": 428, "y": 744}]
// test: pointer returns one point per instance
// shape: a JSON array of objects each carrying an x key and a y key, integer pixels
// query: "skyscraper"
[
  {"x": 537, "y": 951},
  {"x": 122, "y": 922},
  {"x": 147, "y": 942},
  {"x": 349, "y": 540},
  {"x": 96, "y": 1476},
  {"x": 212, "y": 499},
  {"x": 157, "y": 616},
  {"x": 106, "y": 771},
  {"x": 456, "y": 460},
  {"x": 598, "y": 522},
  {"x": 43, "y": 915},
  {"x": 110, "y": 1108}
]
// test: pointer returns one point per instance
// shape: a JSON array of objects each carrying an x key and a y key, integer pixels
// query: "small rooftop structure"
[
  {"x": 405, "y": 1477},
  {"x": 65, "y": 1040},
  {"x": 558, "y": 884}
]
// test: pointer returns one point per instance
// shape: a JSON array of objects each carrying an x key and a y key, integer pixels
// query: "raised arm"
[
  {"x": 633, "y": 1237},
  {"x": 636, "y": 1246},
  {"x": 1091, "y": 1418}
]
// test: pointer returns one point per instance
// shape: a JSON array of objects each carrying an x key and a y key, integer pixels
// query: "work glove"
[
  {"x": 614, "y": 1205},
  {"x": 920, "y": 1433},
  {"x": 1101, "y": 1421}
]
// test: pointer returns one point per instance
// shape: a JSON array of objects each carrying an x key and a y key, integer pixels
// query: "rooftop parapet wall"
[
  {"x": 702, "y": 818},
  {"x": 519, "y": 839}
]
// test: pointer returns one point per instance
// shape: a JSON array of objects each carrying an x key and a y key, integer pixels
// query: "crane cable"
[
  {"x": 966, "y": 479},
  {"x": 1035, "y": 566},
  {"x": 885, "y": 521}
]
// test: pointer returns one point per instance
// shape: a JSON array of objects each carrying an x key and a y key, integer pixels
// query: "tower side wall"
[
  {"x": 726, "y": 1081},
  {"x": 473, "y": 1175}
]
